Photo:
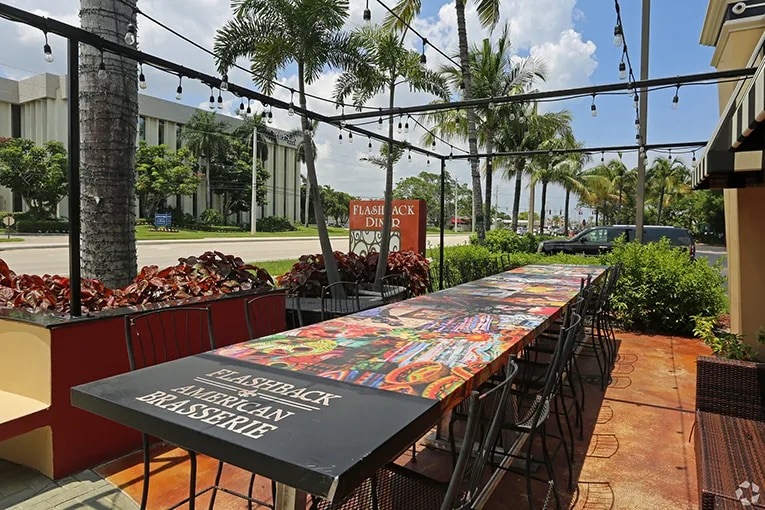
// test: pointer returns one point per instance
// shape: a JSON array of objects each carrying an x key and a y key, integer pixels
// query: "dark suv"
[{"x": 596, "y": 240}]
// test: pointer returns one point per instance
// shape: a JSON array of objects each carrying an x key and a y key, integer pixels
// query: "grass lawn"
[
  {"x": 276, "y": 267},
  {"x": 143, "y": 233},
  {"x": 5, "y": 239}
]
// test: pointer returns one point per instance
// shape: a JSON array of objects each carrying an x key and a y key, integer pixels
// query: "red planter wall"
[{"x": 87, "y": 350}]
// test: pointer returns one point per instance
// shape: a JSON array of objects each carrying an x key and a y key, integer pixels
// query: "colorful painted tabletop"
[{"x": 323, "y": 407}]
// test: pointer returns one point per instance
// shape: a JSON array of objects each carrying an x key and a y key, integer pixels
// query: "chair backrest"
[
  {"x": 294, "y": 311},
  {"x": 339, "y": 298},
  {"x": 465, "y": 485},
  {"x": 392, "y": 285},
  {"x": 266, "y": 313},
  {"x": 168, "y": 334}
]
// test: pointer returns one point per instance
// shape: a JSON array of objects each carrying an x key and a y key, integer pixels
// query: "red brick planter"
[{"x": 43, "y": 356}]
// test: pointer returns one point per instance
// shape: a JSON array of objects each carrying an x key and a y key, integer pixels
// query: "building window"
[
  {"x": 142, "y": 128},
  {"x": 178, "y": 131},
  {"x": 15, "y": 121},
  {"x": 161, "y": 135}
]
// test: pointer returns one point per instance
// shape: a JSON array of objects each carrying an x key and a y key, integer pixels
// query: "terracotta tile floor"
[{"x": 635, "y": 453}]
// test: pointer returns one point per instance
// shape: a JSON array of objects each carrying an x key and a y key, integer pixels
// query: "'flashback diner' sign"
[
  {"x": 317, "y": 434},
  {"x": 407, "y": 225}
]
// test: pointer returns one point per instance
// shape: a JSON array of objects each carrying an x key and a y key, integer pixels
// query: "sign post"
[{"x": 9, "y": 221}]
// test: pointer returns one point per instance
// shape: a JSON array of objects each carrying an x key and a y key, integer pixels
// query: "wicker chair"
[{"x": 729, "y": 436}]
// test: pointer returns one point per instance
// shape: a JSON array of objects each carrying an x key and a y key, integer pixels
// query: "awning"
[{"x": 734, "y": 156}]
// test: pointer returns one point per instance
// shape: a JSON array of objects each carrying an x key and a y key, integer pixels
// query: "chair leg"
[
  {"x": 452, "y": 443},
  {"x": 550, "y": 471},
  {"x": 192, "y": 480},
  {"x": 216, "y": 484},
  {"x": 146, "y": 471},
  {"x": 249, "y": 491},
  {"x": 414, "y": 452},
  {"x": 527, "y": 470}
]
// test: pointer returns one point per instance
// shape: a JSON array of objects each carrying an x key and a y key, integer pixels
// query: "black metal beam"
[
  {"x": 73, "y": 149},
  {"x": 77, "y": 34},
  {"x": 443, "y": 221},
  {"x": 593, "y": 150},
  {"x": 552, "y": 94}
]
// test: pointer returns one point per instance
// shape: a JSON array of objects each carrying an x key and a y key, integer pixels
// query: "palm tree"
[
  {"x": 109, "y": 116},
  {"x": 488, "y": 14},
  {"x": 601, "y": 195},
  {"x": 544, "y": 168},
  {"x": 274, "y": 33},
  {"x": 298, "y": 134},
  {"x": 205, "y": 136},
  {"x": 621, "y": 176},
  {"x": 496, "y": 73},
  {"x": 525, "y": 129},
  {"x": 569, "y": 174},
  {"x": 386, "y": 63},
  {"x": 668, "y": 178}
]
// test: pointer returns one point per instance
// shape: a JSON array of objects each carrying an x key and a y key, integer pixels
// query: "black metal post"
[
  {"x": 73, "y": 139},
  {"x": 443, "y": 221}
]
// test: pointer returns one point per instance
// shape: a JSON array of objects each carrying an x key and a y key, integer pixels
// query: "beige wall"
[
  {"x": 735, "y": 42},
  {"x": 44, "y": 117}
]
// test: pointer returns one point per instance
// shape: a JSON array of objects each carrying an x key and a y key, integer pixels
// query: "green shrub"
[
  {"x": 661, "y": 288},
  {"x": 41, "y": 226},
  {"x": 275, "y": 224},
  {"x": 502, "y": 240},
  {"x": 211, "y": 217}
]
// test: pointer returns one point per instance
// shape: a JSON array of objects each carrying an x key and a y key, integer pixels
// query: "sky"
[{"x": 573, "y": 37}]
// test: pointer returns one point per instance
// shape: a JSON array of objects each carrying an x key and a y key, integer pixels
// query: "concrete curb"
[{"x": 33, "y": 246}]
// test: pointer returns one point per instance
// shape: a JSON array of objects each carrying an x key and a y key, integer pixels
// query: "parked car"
[{"x": 597, "y": 240}]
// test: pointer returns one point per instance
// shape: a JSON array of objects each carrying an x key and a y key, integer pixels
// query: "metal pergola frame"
[{"x": 75, "y": 36}]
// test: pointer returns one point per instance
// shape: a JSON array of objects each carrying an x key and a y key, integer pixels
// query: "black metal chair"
[
  {"x": 395, "y": 487},
  {"x": 392, "y": 286},
  {"x": 338, "y": 299},
  {"x": 157, "y": 337},
  {"x": 272, "y": 316}
]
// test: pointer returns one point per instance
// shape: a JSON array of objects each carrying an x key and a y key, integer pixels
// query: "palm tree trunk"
[
  {"x": 382, "y": 261},
  {"x": 661, "y": 204},
  {"x": 489, "y": 184},
  {"x": 519, "y": 165},
  {"x": 330, "y": 264},
  {"x": 478, "y": 221},
  {"x": 619, "y": 214},
  {"x": 543, "y": 211},
  {"x": 109, "y": 113},
  {"x": 566, "y": 206}
]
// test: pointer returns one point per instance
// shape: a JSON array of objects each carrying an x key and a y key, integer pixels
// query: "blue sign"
[{"x": 163, "y": 220}]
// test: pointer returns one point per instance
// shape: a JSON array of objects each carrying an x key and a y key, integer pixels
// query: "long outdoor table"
[{"x": 320, "y": 408}]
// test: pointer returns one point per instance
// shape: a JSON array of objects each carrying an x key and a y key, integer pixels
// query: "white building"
[{"x": 35, "y": 108}]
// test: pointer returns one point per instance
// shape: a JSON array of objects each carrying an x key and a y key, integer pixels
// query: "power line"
[{"x": 590, "y": 150}]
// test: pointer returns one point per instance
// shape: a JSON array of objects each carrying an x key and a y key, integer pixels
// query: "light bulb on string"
[
  {"x": 428, "y": 161},
  {"x": 102, "y": 68},
  {"x": 211, "y": 104},
  {"x": 350, "y": 136},
  {"x": 367, "y": 14},
  {"x": 409, "y": 156},
  {"x": 406, "y": 126},
  {"x": 220, "y": 101},
  {"x": 602, "y": 157},
  {"x": 641, "y": 152},
  {"x": 433, "y": 144},
  {"x": 622, "y": 70},
  {"x": 47, "y": 52},
  {"x": 676, "y": 99},
  {"x": 270, "y": 115},
  {"x": 451, "y": 152},
  {"x": 369, "y": 145},
  {"x": 593, "y": 107},
  {"x": 179, "y": 90},
  {"x": 380, "y": 122},
  {"x": 400, "y": 127},
  {"x": 291, "y": 110},
  {"x": 130, "y": 34},
  {"x": 637, "y": 124},
  {"x": 694, "y": 158},
  {"x": 618, "y": 36},
  {"x": 241, "y": 108},
  {"x": 636, "y": 101},
  {"x": 423, "y": 58},
  {"x": 141, "y": 78},
  {"x": 248, "y": 112},
  {"x": 224, "y": 82},
  {"x": 670, "y": 154},
  {"x": 340, "y": 138}
]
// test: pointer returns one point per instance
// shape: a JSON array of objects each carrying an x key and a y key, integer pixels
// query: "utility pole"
[
  {"x": 254, "y": 198},
  {"x": 456, "y": 188},
  {"x": 643, "y": 116}
]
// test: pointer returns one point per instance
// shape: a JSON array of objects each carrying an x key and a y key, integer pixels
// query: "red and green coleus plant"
[
  {"x": 308, "y": 275},
  {"x": 210, "y": 274}
]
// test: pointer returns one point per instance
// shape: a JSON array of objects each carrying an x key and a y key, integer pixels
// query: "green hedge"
[
  {"x": 502, "y": 240},
  {"x": 661, "y": 288},
  {"x": 41, "y": 226},
  {"x": 275, "y": 224}
]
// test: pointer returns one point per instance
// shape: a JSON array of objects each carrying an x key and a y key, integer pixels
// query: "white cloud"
[{"x": 542, "y": 28}]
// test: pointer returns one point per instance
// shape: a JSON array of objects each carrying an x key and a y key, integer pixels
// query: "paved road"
[
  {"x": 39, "y": 255},
  {"x": 713, "y": 254}
]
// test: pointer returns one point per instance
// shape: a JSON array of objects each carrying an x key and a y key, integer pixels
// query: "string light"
[
  {"x": 270, "y": 115},
  {"x": 399, "y": 125},
  {"x": 141, "y": 78},
  {"x": 637, "y": 124},
  {"x": 670, "y": 154},
  {"x": 636, "y": 101},
  {"x": 409, "y": 157},
  {"x": 130, "y": 34},
  {"x": 406, "y": 126},
  {"x": 676, "y": 99},
  {"x": 340, "y": 137},
  {"x": 694, "y": 158},
  {"x": 622, "y": 70},
  {"x": 603, "y": 157},
  {"x": 224, "y": 82},
  {"x": 423, "y": 58},
  {"x": 369, "y": 145},
  {"x": 220, "y": 101},
  {"x": 367, "y": 14},
  {"x": 46, "y": 49},
  {"x": 102, "y": 68},
  {"x": 211, "y": 104},
  {"x": 593, "y": 107},
  {"x": 241, "y": 108},
  {"x": 428, "y": 161},
  {"x": 641, "y": 151},
  {"x": 350, "y": 136},
  {"x": 380, "y": 122},
  {"x": 618, "y": 35},
  {"x": 291, "y": 110},
  {"x": 248, "y": 112},
  {"x": 179, "y": 90}
]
